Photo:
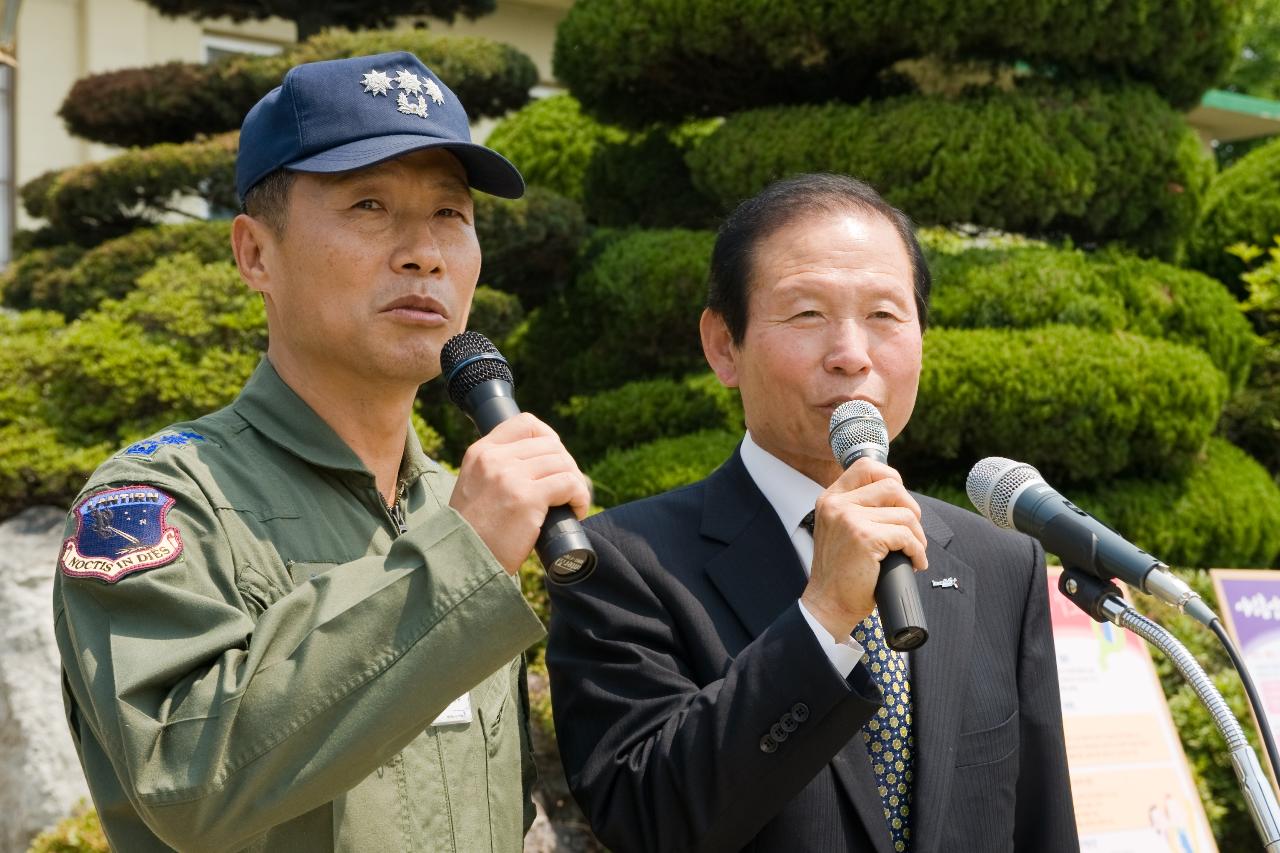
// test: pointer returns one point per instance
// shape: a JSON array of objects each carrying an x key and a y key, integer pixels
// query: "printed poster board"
[
  {"x": 1130, "y": 780},
  {"x": 1249, "y": 605}
]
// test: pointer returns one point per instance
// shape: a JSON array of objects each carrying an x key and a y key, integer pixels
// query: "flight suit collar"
[{"x": 275, "y": 410}]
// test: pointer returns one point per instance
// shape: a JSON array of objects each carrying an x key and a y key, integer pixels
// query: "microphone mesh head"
[
  {"x": 468, "y": 359},
  {"x": 855, "y": 423},
  {"x": 991, "y": 485}
]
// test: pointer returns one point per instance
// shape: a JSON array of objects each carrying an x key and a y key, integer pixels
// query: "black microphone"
[
  {"x": 1014, "y": 496},
  {"x": 857, "y": 430},
  {"x": 480, "y": 383}
]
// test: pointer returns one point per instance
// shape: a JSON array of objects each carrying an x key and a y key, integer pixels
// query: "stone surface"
[{"x": 40, "y": 777}]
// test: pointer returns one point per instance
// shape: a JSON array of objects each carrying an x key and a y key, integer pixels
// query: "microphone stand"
[{"x": 1102, "y": 601}]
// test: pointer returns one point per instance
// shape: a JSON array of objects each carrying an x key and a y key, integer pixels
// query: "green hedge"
[
  {"x": 36, "y": 465},
  {"x": 1242, "y": 206},
  {"x": 622, "y": 179},
  {"x": 643, "y": 411},
  {"x": 71, "y": 281},
  {"x": 494, "y": 314},
  {"x": 176, "y": 101},
  {"x": 1093, "y": 165},
  {"x": 553, "y": 143},
  {"x": 529, "y": 244},
  {"x": 639, "y": 61},
  {"x": 1108, "y": 291},
  {"x": 97, "y": 201},
  {"x": 631, "y": 314},
  {"x": 658, "y": 466},
  {"x": 179, "y": 345},
  {"x": 1080, "y": 405}
]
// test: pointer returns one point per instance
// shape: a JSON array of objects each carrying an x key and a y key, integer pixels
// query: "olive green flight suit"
[{"x": 273, "y": 685}]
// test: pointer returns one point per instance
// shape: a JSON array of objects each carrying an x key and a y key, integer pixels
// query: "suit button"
[
  {"x": 768, "y": 744},
  {"x": 778, "y": 732},
  {"x": 800, "y": 711},
  {"x": 788, "y": 723}
]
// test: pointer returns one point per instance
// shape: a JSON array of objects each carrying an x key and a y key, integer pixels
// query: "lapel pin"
[{"x": 946, "y": 583}]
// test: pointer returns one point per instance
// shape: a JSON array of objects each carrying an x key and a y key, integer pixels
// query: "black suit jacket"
[{"x": 685, "y": 648}]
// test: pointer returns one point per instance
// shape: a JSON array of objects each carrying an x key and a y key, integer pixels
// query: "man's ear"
[
  {"x": 255, "y": 249},
  {"x": 717, "y": 346}
]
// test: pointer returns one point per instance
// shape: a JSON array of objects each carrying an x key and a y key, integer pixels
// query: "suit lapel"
[
  {"x": 759, "y": 576},
  {"x": 758, "y": 572},
  {"x": 940, "y": 672}
]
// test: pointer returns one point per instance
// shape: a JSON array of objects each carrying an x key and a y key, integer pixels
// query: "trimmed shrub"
[
  {"x": 177, "y": 101},
  {"x": 552, "y": 143},
  {"x": 643, "y": 411},
  {"x": 1107, "y": 291},
  {"x": 632, "y": 314},
  {"x": 32, "y": 275},
  {"x": 1080, "y": 405},
  {"x": 644, "y": 181},
  {"x": 494, "y": 314},
  {"x": 97, "y": 201},
  {"x": 1224, "y": 511},
  {"x": 1092, "y": 165},
  {"x": 529, "y": 244},
  {"x": 1241, "y": 206},
  {"x": 668, "y": 463},
  {"x": 36, "y": 466},
  {"x": 1252, "y": 418},
  {"x": 72, "y": 281},
  {"x": 622, "y": 179},
  {"x": 639, "y": 61},
  {"x": 178, "y": 346}
]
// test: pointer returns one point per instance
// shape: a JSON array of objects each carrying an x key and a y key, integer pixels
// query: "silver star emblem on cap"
[
  {"x": 408, "y": 81},
  {"x": 376, "y": 83},
  {"x": 433, "y": 91}
]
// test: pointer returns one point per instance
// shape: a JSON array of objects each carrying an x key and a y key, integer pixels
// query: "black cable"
[{"x": 1252, "y": 692}]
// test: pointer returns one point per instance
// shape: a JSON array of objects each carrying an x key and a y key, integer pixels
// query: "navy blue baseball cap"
[{"x": 345, "y": 114}]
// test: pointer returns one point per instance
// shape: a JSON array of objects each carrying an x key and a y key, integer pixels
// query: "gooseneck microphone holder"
[{"x": 1101, "y": 600}]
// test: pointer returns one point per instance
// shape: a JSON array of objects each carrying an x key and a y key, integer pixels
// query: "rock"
[{"x": 40, "y": 777}]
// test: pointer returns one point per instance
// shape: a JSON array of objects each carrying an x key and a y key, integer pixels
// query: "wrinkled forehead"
[{"x": 810, "y": 229}]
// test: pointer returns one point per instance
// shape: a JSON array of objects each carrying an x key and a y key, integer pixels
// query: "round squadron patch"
[{"x": 119, "y": 532}]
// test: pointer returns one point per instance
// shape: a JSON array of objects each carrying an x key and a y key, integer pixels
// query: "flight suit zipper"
[{"x": 395, "y": 512}]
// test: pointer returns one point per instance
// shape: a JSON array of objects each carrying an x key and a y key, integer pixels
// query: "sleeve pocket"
[{"x": 989, "y": 745}]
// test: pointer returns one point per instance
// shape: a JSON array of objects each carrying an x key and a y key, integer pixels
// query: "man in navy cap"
[{"x": 282, "y": 626}]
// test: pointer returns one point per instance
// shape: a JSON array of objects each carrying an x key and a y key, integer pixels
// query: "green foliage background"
[{"x": 1087, "y": 315}]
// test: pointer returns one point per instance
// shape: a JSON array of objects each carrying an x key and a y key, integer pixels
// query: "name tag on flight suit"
[{"x": 457, "y": 714}]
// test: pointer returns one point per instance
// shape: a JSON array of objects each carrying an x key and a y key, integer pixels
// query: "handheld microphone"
[
  {"x": 1014, "y": 496},
  {"x": 857, "y": 430},
  {"x": 480, "y": 383}
]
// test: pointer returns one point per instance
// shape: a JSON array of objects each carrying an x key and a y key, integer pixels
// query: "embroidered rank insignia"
[
  {"x": 148, "y": 446},
  {"x": 119, "y": 532},
  {"x": 413, "y": 91}
]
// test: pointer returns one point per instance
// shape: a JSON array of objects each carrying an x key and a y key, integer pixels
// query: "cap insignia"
[
  {"x": 411, "y": 99},
  {"x": 376, "y": 83}
]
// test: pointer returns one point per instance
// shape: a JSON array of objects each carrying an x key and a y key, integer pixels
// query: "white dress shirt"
[{"x": 792, "y": 496}]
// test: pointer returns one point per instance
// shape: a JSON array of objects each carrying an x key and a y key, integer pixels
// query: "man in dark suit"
[{"x": 722, "y": 682}]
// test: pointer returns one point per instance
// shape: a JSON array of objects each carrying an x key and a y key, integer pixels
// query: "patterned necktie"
[{"x": 887, "y": 735}]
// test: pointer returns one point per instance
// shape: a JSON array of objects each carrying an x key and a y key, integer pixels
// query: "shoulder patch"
[
  {"x": 148, "y": 446},
  {"x": 119, "y": 532}
]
